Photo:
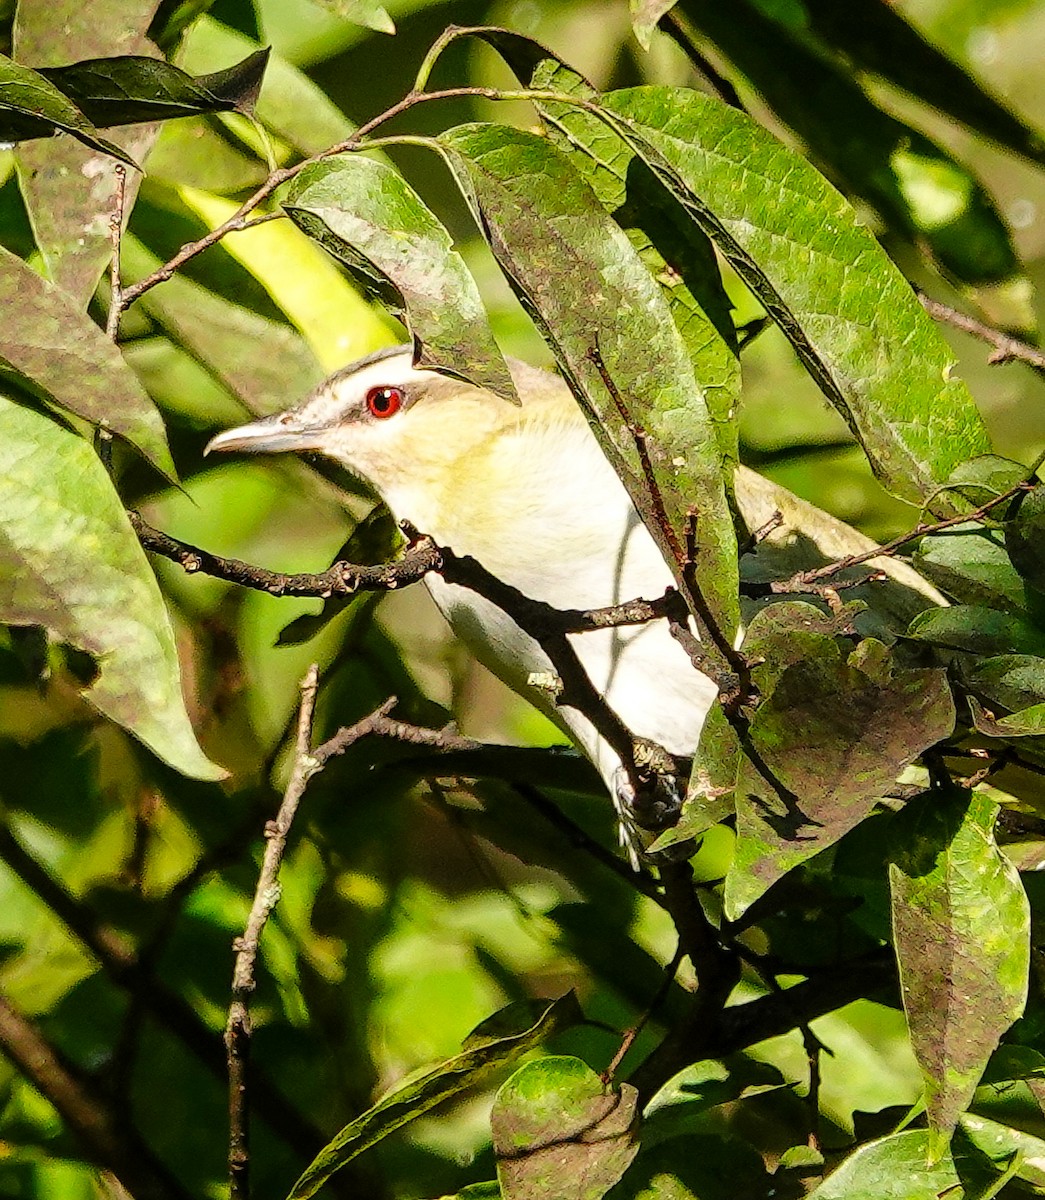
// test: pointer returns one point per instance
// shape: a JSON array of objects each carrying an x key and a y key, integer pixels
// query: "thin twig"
[
  {"x": 797, "y": 581},
  {"x": 1006, "y": 348},
  {"x": 116, "y": 305},
  {"x": 238, "y": 1030}
]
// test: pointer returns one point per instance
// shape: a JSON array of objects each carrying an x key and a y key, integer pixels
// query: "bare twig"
[
  {"x": 1006, "y": 348},
  {"x": 798, "y": 581},
  {"x": 238, "y": 1029},
  {"x": 116, "y": 305}
]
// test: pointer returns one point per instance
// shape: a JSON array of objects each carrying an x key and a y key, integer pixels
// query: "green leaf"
[
  {"x": 921, "y": 190},
  {"x": 127, "y": 89},
  {"x": 970, "y": 564},
  {"x": 849, "y": 313},
  {"x": 31, "y": 106},
  {"x": 360, "y": 12},
  {"x": 675, "y": 252},
  {"x": 985, "y": 478},
  {"x": 699, "y": 1166},
  {"x": 876, "y": 38},
  {"x": 1014, "y": 681},
  {"x": 70, "y": 563},
  {"x": 49, "y": 341},
  {"x": 366, "y": 215},
  {"x": 1025, "y": 538},
  {"x": 561, "y": 1133},
  {"x": 555, "y": 242},
  {"x": 977, "y": 630},
  {"x": 644, "y": 17},
  {"x": 897, "y": 1167},
  {"x": 829, "y": 742},
  {"x": 410, "y": 1100},
  {"x": 961, "y": 928},
  {"x": 70, "y": 189}
]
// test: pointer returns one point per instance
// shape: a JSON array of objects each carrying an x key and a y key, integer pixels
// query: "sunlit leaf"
[
  {"x": 897, "y": 1167},
  {"x": 561, "y": 1133},
  {"x": 70, "y": 562},
  {"x": 369, "y": 217},
  {"x": 961, "y": 925},
  {"x": 829, "y": 741},
  {"x": 360, "y": 12},
  {"x": 849, "y": 313}
]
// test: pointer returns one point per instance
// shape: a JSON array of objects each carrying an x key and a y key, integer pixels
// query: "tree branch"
[{"x": 1006, "y": 348}]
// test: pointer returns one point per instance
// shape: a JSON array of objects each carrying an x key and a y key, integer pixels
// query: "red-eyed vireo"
[{"x": 526, "y": 490}]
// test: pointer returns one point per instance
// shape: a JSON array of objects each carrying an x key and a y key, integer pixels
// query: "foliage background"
[{"x": 409, "y": 912}]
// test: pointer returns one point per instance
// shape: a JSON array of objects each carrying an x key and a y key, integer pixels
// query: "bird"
[{"x": 525, "y": 489}]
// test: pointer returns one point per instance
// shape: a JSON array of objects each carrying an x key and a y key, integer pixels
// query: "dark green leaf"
[
  {"x": 985, "y": 478},
  {"x": 70, "y": 562},
  {"x": 978, "y": 630},
  {"x": 412, "y": 1099},
  {"x": 1014, "y": 681},
  {"x": 31, "y": 106},
  {"x": 676, "y": 253},
  {"x": 849, "y": 313},
  {"x": 830, "y": 740},
  {"x": 970, "y": 564},
  {"x": 561, "y": 1133},
  {"x": 1025, "y": 538},
  {"x": 922, "y": 191},
  {"x": 50, "y": 342},
  {"x": 366, "y": 215},
  {"x": 129, "y": 89},
  {"x": 897, "y": 1167},
  {"x": 875, "y": 37},
  {"x": 556, "y": 245},
  {"x": 699, "y": 1166},
  {"x": 961, "y": 925}
]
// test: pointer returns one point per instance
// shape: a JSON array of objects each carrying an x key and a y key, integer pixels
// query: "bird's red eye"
[{"x": 384, "y": 401}]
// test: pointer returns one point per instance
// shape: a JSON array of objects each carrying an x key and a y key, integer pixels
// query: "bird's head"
[{"x": 400, "y": 428}]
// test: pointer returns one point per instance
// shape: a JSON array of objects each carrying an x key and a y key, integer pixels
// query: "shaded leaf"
[
  {"x": 876, "y": 37},
  {"x": 961, "y": 928},
  {"x": 1014, "y": 681},
  {"x": 1018, "y": 1154},
  {"x": 676, "y": 253},
  {"x": 1025, "y": 538},
  {"x": 849, "y": 313},
  {"x": 130, "y": 88},
  {"x": 1028, "y": 722},
  {"x": 560, "y": 1133},
  {"x": 50, "y": 342},
  {"x": 978, "y": 630},
  {"x": 970, "y": 563},
  {"x": 412, "y": 1099},
  {"x": 984, "y": 478},
  {"x": 700, "y": 1166},
  {"x": 366, "y": 215},
  {"x": 556, "y": 243},
  {"x": 897, "y": 1167},
  {"x": 31, "y": 106},
  {"x": 70, "y": 562},
  {"x": 921, "y": 190},
  {"x": 828, "y": 742}
]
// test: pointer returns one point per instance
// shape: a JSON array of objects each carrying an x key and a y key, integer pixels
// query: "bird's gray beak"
[{"x": 271, "y": 435}]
